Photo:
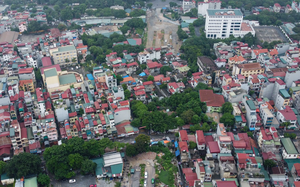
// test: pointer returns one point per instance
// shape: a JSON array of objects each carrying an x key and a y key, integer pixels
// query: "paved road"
[
  {"x": 135, "y": 178},
  {"x": 81, "y": 181},
  {"x": 151, "y": 172},
  {"x": 132, "y": 137}
]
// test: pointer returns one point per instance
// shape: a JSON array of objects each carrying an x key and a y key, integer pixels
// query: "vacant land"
[
  {"x": 161, "y": 31},
  {"x": 269, "y": 34}
]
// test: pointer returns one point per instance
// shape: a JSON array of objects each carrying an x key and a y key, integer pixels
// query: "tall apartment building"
[
  {"x": 250, "y": 113},
  {"x": 208, "y": 4},
  {"x": 110, "y": 80},
  {"x": 60, "y": 54},
  {"x": 221, "y": 23}
]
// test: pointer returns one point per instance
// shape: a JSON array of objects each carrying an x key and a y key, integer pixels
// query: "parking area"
[
  {"x": 81, "y": 181},
  {"x": 135, "y": 178},
  {"x": 269, "y": 34}
]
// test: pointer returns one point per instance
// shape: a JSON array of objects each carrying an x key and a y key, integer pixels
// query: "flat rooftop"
[{"x": 224, "y": 12}]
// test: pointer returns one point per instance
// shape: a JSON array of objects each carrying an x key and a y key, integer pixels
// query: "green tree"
[
  {"x": 250, "y": 134},
  {"x": 192, "y": 145},
  {"x": 199, "y": 22},
  {"x": 62, "y": 27},
  {"x": 75, "y": 160},
  {"x": 43, "y": 180},
  {"x": 149, "y": 5},
  {"x": 227, "y": 119},
  {"x": 142, "y": 143},
  {"x": 245, "y": 129},
  {"x": 119, "y": 79},
  {"x": 127, "y": 94},
  {"x": 88, "y": 166},
  {"x": 131, "y": 150},
  {"x": 81, "y": 111},
  {"x": 177, "y": 134},
  {"x": 269, "y": 163},
  {"x": 227, "y": 108},
  {"x": 137, "y": 12},
  {"x": 37, "y": 73},
  {"x": 290, "y": 135},
  {"x": 150, "y": 78},
  {"x": 194, "y": 128},
  {"x": 23, "y": 164},
  {"x": 67, "y": 60},
  {"x": 180, "y": 121},
  {"x": 181, "y": 34},
  {"x": 172, "y": 4},
  {"x": 74, "y": 60},
  {"x": 195, "y": 119},
  {"x": 187, "y": 116},
  {"x": 2, "y": 167}
]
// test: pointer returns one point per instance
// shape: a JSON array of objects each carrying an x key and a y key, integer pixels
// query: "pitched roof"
[
  {"x": 210, "y": 98},
  {"x": 213, "y": 147},
  {"x": 183, "y": 135},
  {"x": 200, "y": 137},
  {"x": 288, "y": 113}
]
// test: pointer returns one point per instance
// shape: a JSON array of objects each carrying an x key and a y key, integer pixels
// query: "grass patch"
[{"x": 164, "y": 177}]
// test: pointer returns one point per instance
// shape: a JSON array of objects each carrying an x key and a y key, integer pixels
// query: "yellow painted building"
[
  {"x": 58, "y": 82},
  {"x": 248, "y": 69},
  {"x": 26, "y": 85},
  {"x": 60, "y": 54}
]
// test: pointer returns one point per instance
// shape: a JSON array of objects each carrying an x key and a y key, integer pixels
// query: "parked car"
[
  {"x": 72, "y": 181},
  {"x": 146, "y": 174},
  {"x": 93, "y": 185},
  {"x": 152, "y": 180}
]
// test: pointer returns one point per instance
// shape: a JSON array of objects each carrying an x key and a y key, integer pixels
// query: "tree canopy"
[
  {"x": 73, "y": 154},
  {"x": 23, "y": 164},
  {"x": 227, "y": 108}
]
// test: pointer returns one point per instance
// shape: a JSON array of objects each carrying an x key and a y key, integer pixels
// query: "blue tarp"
[
  {"x": 125, "y": 76},
  {"x": 90, "y": 76},
  {"x": 142, "y": 74},
  {"x": 176, "y": 144},
  {"x": 153, "y": 143},
  {"x": 164, "y": 8},
  {"x": 158, "y": 83},
  {"x": 177, "y": 153}
]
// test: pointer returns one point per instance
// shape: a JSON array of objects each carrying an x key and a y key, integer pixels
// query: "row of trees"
[
  {"x": 273, "y": 18},
  {"x": 249, "y": 4},
  {"x": 64, "y": 160}
]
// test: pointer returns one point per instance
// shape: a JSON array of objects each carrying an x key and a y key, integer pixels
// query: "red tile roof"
[
  {"x": 183, "y": 135},
  {"x": 210, "y": 98},
  {"x": 213, "y": 147},
  {"x": 147, "y": 83},
  {"x": 239, "y": 144},
  {"x": 288, "y": 113},
  {"x": 183, "y": 146},
  {"x": 46, "y": 61},
  {"x": 200, "y": 137},
  {"x": 226, "y": 184},
  {"x": 25, "y": 70}
]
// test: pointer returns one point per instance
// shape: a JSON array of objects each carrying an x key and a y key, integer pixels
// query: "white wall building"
[
  {"x": 149, "y": 54},
  {"x": 208, "y": 4},
  {"x": 122, "y": 114},
  {"x": 221, "y": 23},
  {"x": 111, "y": 82},
  {"x": 22, "y": 27},
  {"x": 31, "y": 62},
  {"x": 187, "y": 5},
  {"x": 250, "y": 113}
]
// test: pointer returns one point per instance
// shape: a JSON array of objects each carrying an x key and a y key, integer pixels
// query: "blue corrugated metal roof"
[{"x": 90, "y": 76}]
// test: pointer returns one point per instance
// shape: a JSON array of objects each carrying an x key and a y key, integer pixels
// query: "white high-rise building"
[
  {"x": 221, "y": 23},
  {"x": 208, "y": 4}
]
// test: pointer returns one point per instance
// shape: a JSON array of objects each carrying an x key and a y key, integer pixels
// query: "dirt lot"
[
  {"x": 110, "y": 28},
  {"x": 161, "y": 31},
  {"x": 216, "y": 116},
  {"x": 269, "y": 34},
  {"x": 30, "y": 38}
]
